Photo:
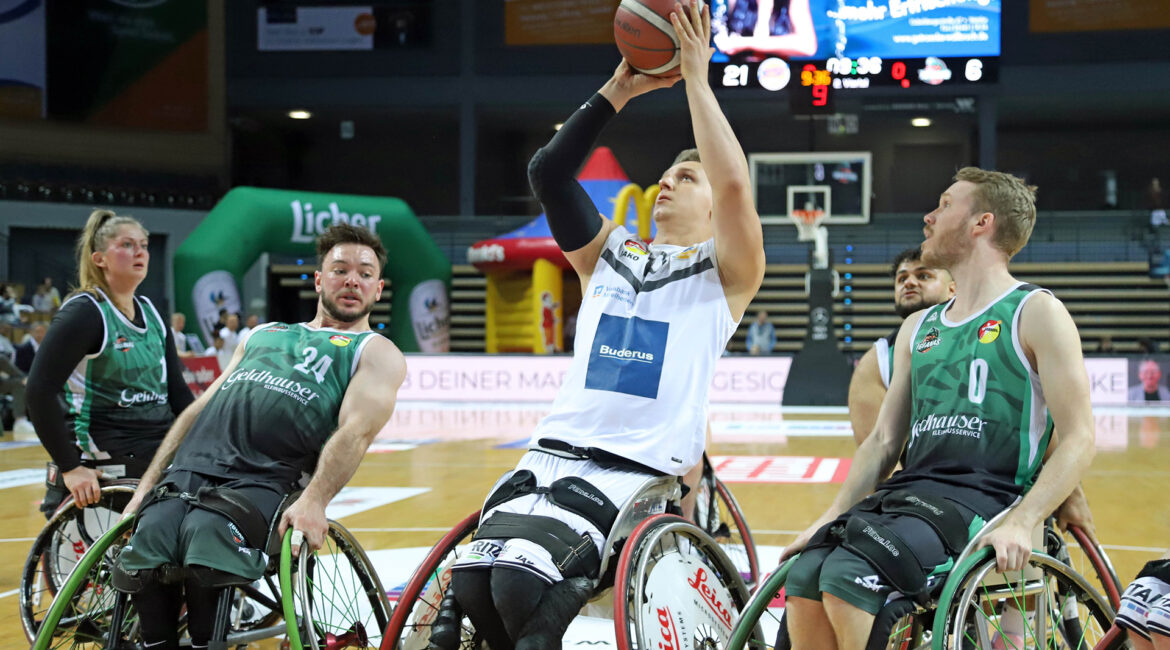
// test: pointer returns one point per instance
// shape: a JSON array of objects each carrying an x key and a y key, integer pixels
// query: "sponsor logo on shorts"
[
  {"x": 122, "y": 344},
  {"x": 989, "y": 331},
  {"x": 885, "y": 543},
  {"x": 245, "y": 550},
  {"x": 929, "y": 341},
  {"x": 871, "y": 583},
  {"x": 237, "y": 536},
  {"x": 709, "y": 596},
  {"x": 340, "y": 340}
]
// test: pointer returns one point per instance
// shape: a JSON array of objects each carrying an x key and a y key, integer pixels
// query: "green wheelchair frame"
[{"x": 310, "y": 599}]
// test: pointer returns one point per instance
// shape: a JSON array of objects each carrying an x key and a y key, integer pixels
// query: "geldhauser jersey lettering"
[
  {"x": 116, "y": 398},
  {"x": 653, "y": 321},
  {"x": 979, "y": 416},
  {"x": 276, "y": 410}
]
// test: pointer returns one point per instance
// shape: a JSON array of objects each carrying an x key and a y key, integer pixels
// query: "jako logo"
[
  {"x": 626, "y": 354},
  {"x": 869, "y": 582},
  {"x": 307, "y": 224}
]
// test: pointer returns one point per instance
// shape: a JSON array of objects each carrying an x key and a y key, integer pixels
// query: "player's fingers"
[
  {"x": 696, "y": 9},
  {"x": 298, "y": 539},
  {"x": 706, "y": 20},
  {"x": 684, "y": 21}
]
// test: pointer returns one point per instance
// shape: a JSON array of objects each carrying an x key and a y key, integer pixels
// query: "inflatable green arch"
[{"x": 248, "y": 221}]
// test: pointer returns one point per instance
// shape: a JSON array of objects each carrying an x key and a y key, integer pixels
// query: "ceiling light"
[
  {"x": 300, "y": 115},
  {"x": 557, "y": 126},
  {"x": 920, "y": 121}
]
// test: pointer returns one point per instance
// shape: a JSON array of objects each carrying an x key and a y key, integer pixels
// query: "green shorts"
[
  {"x": 850, "y": 577},
  {"x": 172, "y": 532}
]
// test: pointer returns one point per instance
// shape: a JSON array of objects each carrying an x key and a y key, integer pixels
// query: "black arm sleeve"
[
  {"x": 178, "y": 392},
  {"x": 75, "y": 331},
  {"x": 572, "y": 217}
]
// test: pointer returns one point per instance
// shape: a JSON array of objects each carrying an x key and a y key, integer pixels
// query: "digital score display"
[{"x": 815, "y": 49}]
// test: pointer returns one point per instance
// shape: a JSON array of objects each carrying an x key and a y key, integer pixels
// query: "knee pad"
[
  {"x": 515, "y": 595},
  {"x": 133, "y": 581},
  {"x": 559, "y": 605}
]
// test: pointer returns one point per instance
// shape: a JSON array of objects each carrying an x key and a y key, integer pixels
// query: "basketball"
[{"x": 645, "y": 36}]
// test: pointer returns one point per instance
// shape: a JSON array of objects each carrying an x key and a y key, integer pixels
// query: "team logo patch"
[
  {"x": 989, "y": 331},
  {"x": 633, "y": 249},
  {"x": 340, "y": 340},
  {"x": 122, "y": 344},
  {"x": 929, "y": 341},
  {"x": 237, "y": 536},
  {"x": 276, "y": 328},
  {"x": 687, "y": 254},
  {"x": 627, "y": 356}
]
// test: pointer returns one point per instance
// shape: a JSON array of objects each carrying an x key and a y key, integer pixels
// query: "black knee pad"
[
  {"x": 559, "y": 606},
  {"x": 515, "y": 594},
  {"x": 133, "y": 581}
]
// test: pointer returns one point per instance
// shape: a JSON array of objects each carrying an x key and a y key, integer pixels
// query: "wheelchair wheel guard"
[{"x": 675, "y": 588}]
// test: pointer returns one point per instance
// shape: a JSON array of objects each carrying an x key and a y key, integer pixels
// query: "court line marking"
[
  {"x": 11, "y": 592},
  {"x": 18, "y": 539}
]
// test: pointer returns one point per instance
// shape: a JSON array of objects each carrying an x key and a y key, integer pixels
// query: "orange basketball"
[{"x": 645, "y": 36}]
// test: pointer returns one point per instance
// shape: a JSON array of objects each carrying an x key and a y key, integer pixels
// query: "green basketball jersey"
[
  {"x": 979, "y": 417},
  {"x": 120, "y": 391},
  {"x": 274, "y": 413}
]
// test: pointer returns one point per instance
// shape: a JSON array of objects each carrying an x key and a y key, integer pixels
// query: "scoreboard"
[{"x": 818, "y": 49}]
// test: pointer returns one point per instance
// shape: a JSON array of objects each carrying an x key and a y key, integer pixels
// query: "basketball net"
[{"x": 809, "y": 228}]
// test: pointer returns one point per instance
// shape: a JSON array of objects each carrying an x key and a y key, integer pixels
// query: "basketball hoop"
[{"x": 807, "y": 222}]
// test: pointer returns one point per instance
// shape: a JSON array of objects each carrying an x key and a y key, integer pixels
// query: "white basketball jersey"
[{"x": 652, "y": 323}]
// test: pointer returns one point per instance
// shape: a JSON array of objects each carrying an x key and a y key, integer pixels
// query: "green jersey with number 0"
[
  {"x": 979, "y": 418},
  {"x": 274, "y": 413}
]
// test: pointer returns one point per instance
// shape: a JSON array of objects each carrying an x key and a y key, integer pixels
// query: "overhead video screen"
[{"x": 856, "y": 43}]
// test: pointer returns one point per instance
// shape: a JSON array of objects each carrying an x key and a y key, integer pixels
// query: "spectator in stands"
[
  {"x": 1105, "y": 344},
  {"x": 249, "y": 325},
  {"x": 1154, "y": 203},
  {"x": 230, "y": 333},
  {"x": 187, "y": 345},
  {"x": 218, "y": 349},
  {"x": 9, "y": 307},
  {"x": 47, "y": 299},
  {"x": 27, "y": 350},
  {"x": 1149, "y": 388},
  {"x": 761, "y": 337},
  {"x": 7, "y": 350},
  {"x": 12, "y": 382},
  {"x": 1147, "y": 346}
]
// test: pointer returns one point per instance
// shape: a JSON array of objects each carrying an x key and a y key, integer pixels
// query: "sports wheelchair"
[
  {"x": 330, "y": 598},
  {"x": 673, "y": 582},
  {"x": 1060, "y": 607}
]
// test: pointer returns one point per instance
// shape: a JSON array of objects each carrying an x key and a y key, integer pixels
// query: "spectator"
[
  {"x": 1105, "y": 344},
  {"x": 761, "y": 336},
  {"x": 249, "y": 325},
  {"x": 1154, "y": 203},
  {"x": 12, "y": 382},
  {"x": 27, "y": 350},
  {"x": 187, "y": 345},
  {"x": 9, "y": 308},
  {"x": 230, "y": 334},
  {"x": 1149, "y": 388},
  {"x": 218, "y": 349},
  {"x": 1147, "y": 346},
  {"x": 47, "y": 299}
]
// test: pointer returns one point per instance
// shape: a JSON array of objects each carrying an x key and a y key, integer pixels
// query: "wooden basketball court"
[{"x": 454, "y": 453}]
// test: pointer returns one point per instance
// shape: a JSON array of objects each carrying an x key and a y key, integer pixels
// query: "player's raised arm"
[
  {"x": 573, "y": 219},
  {"x": 739, "y": 238}
]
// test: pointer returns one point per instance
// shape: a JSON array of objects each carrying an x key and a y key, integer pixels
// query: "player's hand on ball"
[
  {"x": 692, "y": 25},
  {"x": 628, "y": 83}
]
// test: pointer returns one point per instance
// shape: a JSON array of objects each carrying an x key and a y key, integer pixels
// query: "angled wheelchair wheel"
[
  {"x": 418, "y": 605},
  {"x": 675, "y": 587},
  {"x": 1086, "y": 557},
  {"x": 333, "y": 598},
  {"x": 719, "y": 515},
  {"x": 86, "y": 605},
  {"x": 756, "y": 618},
  {"x": 68, "y": 534},
  {"x": 1058, "y": 607}
]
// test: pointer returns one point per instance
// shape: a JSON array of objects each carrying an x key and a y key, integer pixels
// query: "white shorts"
[{"x": 619, "y": 487}]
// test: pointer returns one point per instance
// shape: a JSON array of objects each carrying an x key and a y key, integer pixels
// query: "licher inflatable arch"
[{"x": 249, "y": 221}]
